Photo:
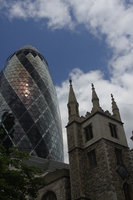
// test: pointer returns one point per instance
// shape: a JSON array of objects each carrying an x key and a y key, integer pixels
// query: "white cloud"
[
  {"x": 112, "y": 18},
  {"x": 55, "y": 12}
]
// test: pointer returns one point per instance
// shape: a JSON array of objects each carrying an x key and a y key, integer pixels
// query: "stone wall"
[
  {"x": 97, "y": 179},
  {"x": 75, "y": 149},
  {"x": 74, "y": 136},
  {"x": 57, "y": 182},
  {"x": 127, "y": 163},
  {"x": 101, "y": 181}
]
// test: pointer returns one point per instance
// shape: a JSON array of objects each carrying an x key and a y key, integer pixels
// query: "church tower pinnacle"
[
  {"x": 115, "y": 109},
  {"x": 73, "y": 106},
  {"x": 95, "y": 100}
]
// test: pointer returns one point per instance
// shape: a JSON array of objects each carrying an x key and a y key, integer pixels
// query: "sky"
[{"x": 89, "y": 41}]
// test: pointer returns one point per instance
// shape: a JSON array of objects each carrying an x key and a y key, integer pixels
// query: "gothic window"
[
  {"x": 88, "y": 133},
  {"x": 49, "y": 196},
  {"x": 123, "y": 172},
  {"x": 113, "y": 130},
  {"x": 92, "y": 158},
  {"x": 118, "y": 153}
]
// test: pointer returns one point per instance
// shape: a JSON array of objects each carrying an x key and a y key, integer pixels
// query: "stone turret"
[
  {"x": 95, "y": 101},
  {"x": 115, "y": 109},
  {"x": 73, "y": 106}
]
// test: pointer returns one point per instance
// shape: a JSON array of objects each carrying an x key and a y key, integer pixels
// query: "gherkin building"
[{"x": 28, "y": 93}]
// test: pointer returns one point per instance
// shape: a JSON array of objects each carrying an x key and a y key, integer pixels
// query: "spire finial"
[
  {"x": 92, "y": 86},
  {"x": 72, "y": 97},
  {"x": 73, "y": 105},
  {"x": 115, "y": 109},
  {"x": 95, "y": 100},
  {"x": 112, "y": 97}
]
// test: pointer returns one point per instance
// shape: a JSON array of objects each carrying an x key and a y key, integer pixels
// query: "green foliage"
[{"x": 18, "y": 180}]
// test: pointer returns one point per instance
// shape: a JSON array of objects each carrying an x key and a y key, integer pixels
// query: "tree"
[{"x": 18, "y": 181}]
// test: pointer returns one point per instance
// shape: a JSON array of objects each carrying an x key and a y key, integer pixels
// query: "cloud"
[
  {"x": 55, "y": 12},
  {"x": 111, "y": 19},
  {"x": 82, "y": 87}
]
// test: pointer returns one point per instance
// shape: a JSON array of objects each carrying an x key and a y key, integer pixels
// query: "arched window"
[{"x": 49, "y": 196}]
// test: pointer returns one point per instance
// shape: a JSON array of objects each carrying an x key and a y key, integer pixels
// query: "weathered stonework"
[
  {"x": 74, "y": 134},
  {"x": 93, "y": 176},
  {"x": 100, "y": 181},
  {"x": 57, "y": 182}
]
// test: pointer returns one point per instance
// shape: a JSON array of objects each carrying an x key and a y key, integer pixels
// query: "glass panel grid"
[{"x": 27, "y": 90}]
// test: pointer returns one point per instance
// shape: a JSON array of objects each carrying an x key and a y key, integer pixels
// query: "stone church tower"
[{"x": 99, "y": 158}]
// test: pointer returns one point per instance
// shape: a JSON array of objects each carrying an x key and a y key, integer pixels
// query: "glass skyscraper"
[{"x": 27, "y": 91}]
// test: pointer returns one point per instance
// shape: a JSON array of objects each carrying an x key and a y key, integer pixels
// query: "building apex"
[
  {"x": 112, "y": 97},
  {"x": 114, "y": 105},
  {"x": 92, "y": 86},
  {"x": 94, "y": 95},
  {"x": 72, "y": 97},
  {"x": 73, "y": 111},
  {"x": 70, "y": 81},
  {"x": 28, "y": 47},
  {"x": 115, "y": 109},
  {"x": 95, "y": 100}
]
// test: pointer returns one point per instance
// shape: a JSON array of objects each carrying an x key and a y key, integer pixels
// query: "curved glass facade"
[{"x": 27, "y": 91}]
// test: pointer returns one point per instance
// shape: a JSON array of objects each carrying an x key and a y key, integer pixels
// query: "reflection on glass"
[{"x": 28, "y": 92}]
